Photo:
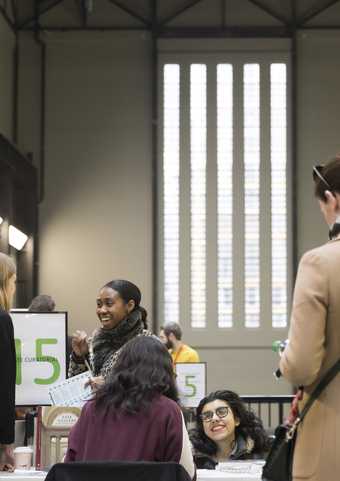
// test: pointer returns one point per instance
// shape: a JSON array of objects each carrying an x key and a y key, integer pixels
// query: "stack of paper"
[
  {"x": 71, "y": 392},
  {"x": 241, "y": 467}
]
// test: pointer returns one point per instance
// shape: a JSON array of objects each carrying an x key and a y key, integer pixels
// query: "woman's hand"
[
  {"x": 95, "y": 382},
  {"x": 6, "y": 457},
  {"x": 79, "y": 344}
]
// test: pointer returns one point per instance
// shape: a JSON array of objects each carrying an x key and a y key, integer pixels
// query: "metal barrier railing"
[{"x": 270, "y": 409}]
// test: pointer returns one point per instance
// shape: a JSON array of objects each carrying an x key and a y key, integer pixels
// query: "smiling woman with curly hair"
[
  {"x": 121, "y": 318},
  {"x": 226, "y": 430}
]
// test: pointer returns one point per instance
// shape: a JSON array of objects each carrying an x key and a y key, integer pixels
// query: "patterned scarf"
[{"x": 106, "y": 342}]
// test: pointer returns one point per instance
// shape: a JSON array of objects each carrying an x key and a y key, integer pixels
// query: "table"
[
  {"x": 211, "y": 475},
  {"x": 23, "y": 476},
  {"x": 202, "y": 475}
]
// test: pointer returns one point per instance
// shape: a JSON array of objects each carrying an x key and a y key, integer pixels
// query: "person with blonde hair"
[{"x": 7, "y": 363}]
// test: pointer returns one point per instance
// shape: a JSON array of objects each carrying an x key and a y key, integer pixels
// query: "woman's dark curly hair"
[
  {"x": 143, "y": 369},
  {"x": 250, "y": 425}
]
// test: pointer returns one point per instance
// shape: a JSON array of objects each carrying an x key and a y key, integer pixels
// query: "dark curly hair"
[
  {"x": 143, "y": 369},
  {"x": 250, "y": 425}
]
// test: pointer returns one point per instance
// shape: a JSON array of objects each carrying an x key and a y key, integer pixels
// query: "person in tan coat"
[{"x": 314, "y": 340}]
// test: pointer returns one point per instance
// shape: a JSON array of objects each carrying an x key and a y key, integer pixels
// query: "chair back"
[{"x": 117, "y": 471}]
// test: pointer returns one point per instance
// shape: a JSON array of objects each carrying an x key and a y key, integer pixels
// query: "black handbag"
[{"x": 279, "y": 463}]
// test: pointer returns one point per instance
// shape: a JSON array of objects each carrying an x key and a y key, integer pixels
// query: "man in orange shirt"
[{"x": 171, "y": 335}]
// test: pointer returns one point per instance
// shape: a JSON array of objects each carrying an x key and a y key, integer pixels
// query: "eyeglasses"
[
  {"x": 317, "y": 169},
  {"x": 221, "y": 412}
]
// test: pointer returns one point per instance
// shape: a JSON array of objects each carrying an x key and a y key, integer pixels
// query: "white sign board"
[
  {"x": 192, "y": 382},
  {"x": 40, "y": 343}
]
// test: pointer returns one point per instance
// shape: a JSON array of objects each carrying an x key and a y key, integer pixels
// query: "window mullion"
[
  {"x": 265, "y": 200},
  {"x": 185, "y": 282},
  {"x": 238, "y": 199},
  {"x": 211, "y": 218}
]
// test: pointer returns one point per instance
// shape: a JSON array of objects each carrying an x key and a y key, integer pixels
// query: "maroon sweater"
[{"x": 101, "y": 435}]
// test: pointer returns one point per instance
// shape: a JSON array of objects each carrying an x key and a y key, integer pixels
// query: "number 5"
[
  {"x": 190, "y": 385},
  {"x": 52, "y": 360}
]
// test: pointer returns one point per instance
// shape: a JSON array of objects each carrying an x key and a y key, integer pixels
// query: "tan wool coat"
[{"x": 314, "y": 346}]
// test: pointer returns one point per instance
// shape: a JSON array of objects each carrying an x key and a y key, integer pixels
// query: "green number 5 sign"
[{"x": 192, "y": 387}]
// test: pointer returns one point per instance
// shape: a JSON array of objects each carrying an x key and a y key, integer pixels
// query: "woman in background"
[
  {"x": 7, "y": 363},
  {"x": 226, "y": 430},
  {"x": 135, "y": 415},
  {"x": 122, "y": 318}
]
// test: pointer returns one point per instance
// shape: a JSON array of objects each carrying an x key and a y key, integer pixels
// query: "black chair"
[{"x": 117, "y": 471}]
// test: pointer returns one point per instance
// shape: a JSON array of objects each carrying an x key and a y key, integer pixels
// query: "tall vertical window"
[
  {"x": 222, "y": 149},
  {"x": 198, "y": 159},
  {"x": 171, "y": 111},
  {"x": 251, "y": 149},
  {"x": 225, "y": 193},
  {"x": 278, "y": 149}
]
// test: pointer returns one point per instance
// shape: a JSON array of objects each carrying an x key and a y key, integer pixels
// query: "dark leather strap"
[{"x": 330, "y": 374}]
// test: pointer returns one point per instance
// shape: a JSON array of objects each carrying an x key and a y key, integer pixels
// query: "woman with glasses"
[
  {"x": 135, "y": 415},
  {"x": 226, "y": 430},
  {"x": 314, "y": 339}
]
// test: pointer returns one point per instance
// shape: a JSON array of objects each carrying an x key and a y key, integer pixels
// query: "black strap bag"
[{"x": 279, "y": 463}]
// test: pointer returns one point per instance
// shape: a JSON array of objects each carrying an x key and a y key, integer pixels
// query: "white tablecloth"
[
  {"x": 23, "y": 476},
  {"x": 202, "y": 475},
  {"x": 211, "y": 475}
]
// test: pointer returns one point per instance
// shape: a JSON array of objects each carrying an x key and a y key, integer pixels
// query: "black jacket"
[
  {"x": 118, "y": 471},
  {"x": 244, "y": 449},
  {"x": 7, "y": 379}
]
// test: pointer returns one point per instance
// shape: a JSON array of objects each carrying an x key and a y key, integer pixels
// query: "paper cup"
[{"x": 23, "y": 457}]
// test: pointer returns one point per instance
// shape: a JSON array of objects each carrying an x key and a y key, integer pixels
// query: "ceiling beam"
[
  {"x": 131, "y": 12},
  {"x": 293, "y": 11},
  {"x": 7, "y": 18},
  {"x": 315, "y": 11},
  {"x": 270, "y": 11},
  {"x": 226, "y": 32},
  {"x": 14, "y": 7},
  {"x": 89, "y": 28},
  {"x": 179, "y": 12},
  {"x": 83, "y": 13},
  {"x": 321, "y": 27},
  {"x": 223, "y": 12},
  {"x": 41, "y": 12}
]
